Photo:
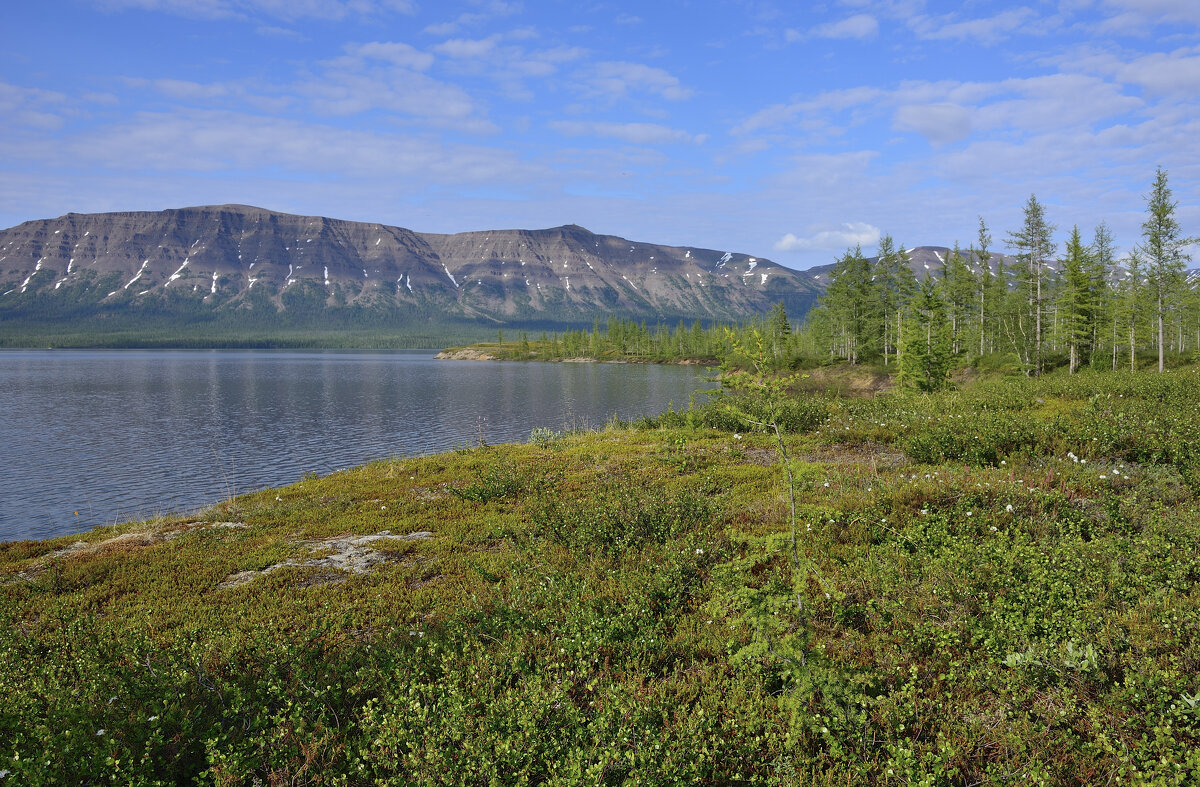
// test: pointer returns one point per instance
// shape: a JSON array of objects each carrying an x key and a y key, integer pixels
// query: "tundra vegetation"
[{"x": 977, "y": 586}]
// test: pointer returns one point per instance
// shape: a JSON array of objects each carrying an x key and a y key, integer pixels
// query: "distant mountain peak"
[{"x": 236, "y": 256}]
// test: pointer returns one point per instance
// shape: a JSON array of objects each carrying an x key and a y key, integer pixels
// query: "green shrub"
[
  {"x": 500, "y": 480},
  {"x": 622, "y": 515}
]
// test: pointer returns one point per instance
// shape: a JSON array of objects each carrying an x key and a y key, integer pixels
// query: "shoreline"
[{"x": 474, "y": 353}]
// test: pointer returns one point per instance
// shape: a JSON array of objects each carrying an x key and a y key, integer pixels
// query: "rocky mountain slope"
[
  {"x": 233, "y": 257},
  {"x": 924, "y": 261}
]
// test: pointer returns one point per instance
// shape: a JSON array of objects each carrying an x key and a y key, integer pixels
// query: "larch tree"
[
  {"x": 1102, "y": 271},
  {"x": 959, "y": 293},
  {"x": 987, "y": 282},
  {"x": 848, "y": 299},
  {"x": 1131, "y": 302},
  {"x": 894, "y": 284},
  {"x": 1162, "y": 251},
  {"x": 1034, "y": 244}
]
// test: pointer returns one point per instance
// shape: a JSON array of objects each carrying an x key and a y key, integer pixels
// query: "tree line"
[{"x": 1080, "y": 307}]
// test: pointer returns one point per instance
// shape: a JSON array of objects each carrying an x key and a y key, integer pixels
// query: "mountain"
[
  {"x": 233, "y": 260},
  {"x": 924, "y": 261}
]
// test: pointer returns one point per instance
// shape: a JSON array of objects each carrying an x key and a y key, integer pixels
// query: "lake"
[{"x": 93, "y": 437}]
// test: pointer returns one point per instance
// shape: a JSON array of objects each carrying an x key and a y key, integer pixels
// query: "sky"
[{"x": 786, "y": 130}]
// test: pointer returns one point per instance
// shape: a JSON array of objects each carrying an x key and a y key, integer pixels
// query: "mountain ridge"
[{"x": 239, "y": 256}]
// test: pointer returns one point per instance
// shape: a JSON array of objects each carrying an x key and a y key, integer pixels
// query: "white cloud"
[
  {"x": 283, "y": 9},
  {"x": 857, "y": 26},
  {"x": 987, "y": 30},
  {"x": 398, "y": 54},
  {"x": 1157, "y": 11},
  {"x": 635, "y": 133},
  {"x": 274, "y": 31},
  {"x": 940, "y": 124},
  {"x": 389, "y": 76},
  {"x": 468, "y": 48},
  {"x": 824, "y": 104},
  {"x": 619, "y": 79},
  {"x": 945, "y": 111},
  {"x": 1053, "y": 102},
  {"x": 1163, "y": 73},
  {"x": 490, "y": 11},
  {"x": 220, "y": 141},
  {"x": 40, "y": 109},
  {"x": 852, "y": 233},
  {"x": 182, "y": 90},
  {"x": 408, "y": 93}
]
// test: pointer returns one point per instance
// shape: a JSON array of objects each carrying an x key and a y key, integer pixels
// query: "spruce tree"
[
  {"x": 1076, "y": 302},
  {"x": 927, "y": 356},
  {"x": 779, "y": 329}
]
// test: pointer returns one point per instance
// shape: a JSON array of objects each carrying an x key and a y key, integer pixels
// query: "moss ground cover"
[{"x": 1005, "y": 589}]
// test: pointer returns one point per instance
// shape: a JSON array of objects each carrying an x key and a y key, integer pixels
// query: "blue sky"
[{"x": 784, "y": 130}]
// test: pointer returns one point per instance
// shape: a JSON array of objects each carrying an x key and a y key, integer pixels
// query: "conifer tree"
[
  {"x": 1162, "y": 250},
  {"x": 1102, "y": 272},
  {"x": 908, "y": 290},
  {"x": 1034, "y": 245},
  {"x": 959, "y": 292},
  {"x": 894, "y": 284},
  {"x": 927, "y": 356},
  {"x": 1131, "y": 302},
  {"x": 848, "y": 301},
  {"x": 1076, "y": 302},
  {"x": 988, "y": 284}
]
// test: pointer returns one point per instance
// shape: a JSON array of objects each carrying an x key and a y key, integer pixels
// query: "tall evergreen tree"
[
  {"x": 988, "y": 283},
  {"x": 894, "y": 284},
  {"x": 959, "y": 292},
  {"x": 1131, "y": 303},
  {"x": 1034, "y": 245},
  {"x": 927, "y": 356},
  {"x": 1162, "y": 250},
  {"x": 848, "y": 300},
  {"x": 1102, "y": 272},
  {"x": 1076, "y": 301},
  {"x": 778, "y": 329}
]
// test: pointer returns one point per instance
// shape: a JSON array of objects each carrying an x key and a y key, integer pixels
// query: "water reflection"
[{"x": 114, "y": 435}]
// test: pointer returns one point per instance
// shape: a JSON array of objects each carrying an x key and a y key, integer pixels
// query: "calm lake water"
[{"x": 96, "y": 437}]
